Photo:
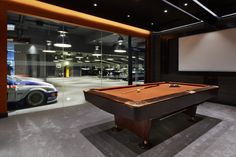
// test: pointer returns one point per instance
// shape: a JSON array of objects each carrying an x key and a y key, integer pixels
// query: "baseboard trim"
[{"x": 3, "y": 115}]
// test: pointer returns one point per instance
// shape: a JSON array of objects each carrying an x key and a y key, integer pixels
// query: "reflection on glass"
[
  {"x": 138, "y": 48},
  {"x": 65, "y": 60},
  {"x": 119, "y": 47}
]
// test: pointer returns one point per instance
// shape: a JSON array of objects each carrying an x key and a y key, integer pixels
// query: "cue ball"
[{"x": 138, "y": 90}]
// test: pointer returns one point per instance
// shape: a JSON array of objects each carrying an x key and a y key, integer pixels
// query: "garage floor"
[
  {"x": 85, "y": 131},
  {"x": 70, "y": 91}
]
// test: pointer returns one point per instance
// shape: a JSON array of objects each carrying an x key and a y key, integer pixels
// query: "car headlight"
[{"x": 50, "y": 89}]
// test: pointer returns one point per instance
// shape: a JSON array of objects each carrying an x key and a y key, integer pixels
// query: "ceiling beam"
[
  {"x": 180, "y": 9},
  {"x": 48, "y": 11},
  {"x": 201, "y": 15}
]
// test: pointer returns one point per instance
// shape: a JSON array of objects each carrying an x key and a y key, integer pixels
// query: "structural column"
[
  {"x": 148, "y": 71},
  {"x": 130, "y": 62},
  {"x": 153, "y": 59},
  {"x": 3, "y": 63}
]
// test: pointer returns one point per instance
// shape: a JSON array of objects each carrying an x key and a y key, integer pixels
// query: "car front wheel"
[{"x": 35, "y": 98}]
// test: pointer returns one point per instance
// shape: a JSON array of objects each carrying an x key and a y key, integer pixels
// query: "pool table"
[{"x": 135, "y": 106}]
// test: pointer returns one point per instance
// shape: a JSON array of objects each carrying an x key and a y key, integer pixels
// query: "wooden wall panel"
[{"x": 3, "y": 63}]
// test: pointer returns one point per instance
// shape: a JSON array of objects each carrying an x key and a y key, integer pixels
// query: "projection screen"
[{"x": 214, "y": 51}]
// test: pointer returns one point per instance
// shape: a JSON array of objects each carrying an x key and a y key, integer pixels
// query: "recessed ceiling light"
[
  {"x": 185, "y": 4},
  {"x": 178, "y": 8},
  {"x": 165, "y": 11},
  {"x": 128, "y": 15},
  {"x": 95, "y": 4}
]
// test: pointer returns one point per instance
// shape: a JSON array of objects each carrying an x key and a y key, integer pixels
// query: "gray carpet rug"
[
  {"x": 85, "y": 131},
  {"x": 167, "y": 137}
]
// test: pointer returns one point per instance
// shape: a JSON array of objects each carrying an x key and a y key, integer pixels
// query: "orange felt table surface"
[{"x": 131, "y": 93}]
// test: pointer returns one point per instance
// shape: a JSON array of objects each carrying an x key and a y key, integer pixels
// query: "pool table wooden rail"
[{"x": 150, "y": 108}]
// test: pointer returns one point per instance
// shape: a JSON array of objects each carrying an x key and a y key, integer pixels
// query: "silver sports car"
[{"x": 33, "y": 92}]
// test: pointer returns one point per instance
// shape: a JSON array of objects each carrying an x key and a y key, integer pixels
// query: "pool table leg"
[
  {"x": 117, "y": 128},
  {"x": 191, "y": 111},
  {"x": 139, "y": 127}
]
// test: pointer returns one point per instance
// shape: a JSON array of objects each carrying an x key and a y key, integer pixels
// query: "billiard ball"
[
  {"x": 174, "y": 85},
  {"x": 138, "y": 90}
]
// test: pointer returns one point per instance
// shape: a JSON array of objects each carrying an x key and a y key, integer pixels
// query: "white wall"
[{"x": 215, "y": 51}]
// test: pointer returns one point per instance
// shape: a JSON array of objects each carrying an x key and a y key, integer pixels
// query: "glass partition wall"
[
  {"x": 138, "y": 60},
  {"x": 50, "y": 63}
]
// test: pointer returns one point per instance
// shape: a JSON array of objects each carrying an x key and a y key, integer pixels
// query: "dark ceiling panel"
[
  {"x": 145, "y": 14},
  {"x": 220, "y": 7},
  {"x": 149, "y": 14},
  {"x": 196, "y": 10}
]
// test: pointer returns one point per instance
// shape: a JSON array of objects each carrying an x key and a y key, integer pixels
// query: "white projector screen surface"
[{"x": 215, "y": 51}]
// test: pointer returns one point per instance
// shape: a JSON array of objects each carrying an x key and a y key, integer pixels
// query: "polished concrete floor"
[
  {"x": 70, "y": 92},
  {"x": 85, "y": 131}
]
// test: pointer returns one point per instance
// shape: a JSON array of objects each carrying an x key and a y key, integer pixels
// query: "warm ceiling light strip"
[{"x": 41, "y": 9}]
